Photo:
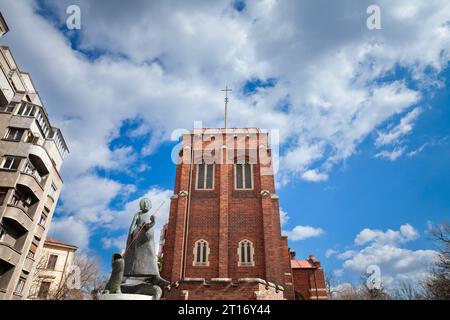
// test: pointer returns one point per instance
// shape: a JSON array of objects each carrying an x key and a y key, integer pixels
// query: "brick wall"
[
  {"x": 309, "y": 283},
  {"x": 223, "y": 217},
  {"x": 223, "y": 291}
]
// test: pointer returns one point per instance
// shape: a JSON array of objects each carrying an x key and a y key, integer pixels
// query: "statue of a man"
[{"x": 140, "y": 255}]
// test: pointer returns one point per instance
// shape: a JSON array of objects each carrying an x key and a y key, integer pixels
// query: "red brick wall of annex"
[{"x": 307, "y": 280}]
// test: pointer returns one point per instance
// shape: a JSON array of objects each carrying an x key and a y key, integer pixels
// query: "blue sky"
[{"x": 363, "y": 114}]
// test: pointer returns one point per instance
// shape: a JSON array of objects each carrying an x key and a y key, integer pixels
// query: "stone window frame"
[
  {"x": 198, "y": 261},
  {"x": 197, "y": 171},
  {"x": 249, "y": 261}
]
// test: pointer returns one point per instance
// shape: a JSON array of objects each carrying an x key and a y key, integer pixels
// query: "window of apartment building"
[
  {"x": 44, "y": 289},
  {"x": 243, "y": 176},
  {"x": 15, "y": 134},
  {"x": 3, "y": 192},
  {"x": 8, "y": 108},
  {"x": 11, "y": 162},
  {"x": 201, "y": 253},
  {"x": 19, "y": 286},
  {"x": 205, "y": 176},
  {"x": 245, "y": 253},
  {"x": 52, "y": 191},
  {"x": 26, "y": 110},
  {"x": 2, "y": 232},
  {"x": 42, "y": 220},
  {"x": 32, "y": 252},
  {"x": 52, "y": 262}
]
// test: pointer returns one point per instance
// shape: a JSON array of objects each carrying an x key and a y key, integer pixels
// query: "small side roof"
[{"x": 51, "y": 241}]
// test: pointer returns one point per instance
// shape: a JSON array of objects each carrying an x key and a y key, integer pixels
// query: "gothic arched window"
[
  {"x": 245, "y": 253},
  {"x": 201, "y": 253}
]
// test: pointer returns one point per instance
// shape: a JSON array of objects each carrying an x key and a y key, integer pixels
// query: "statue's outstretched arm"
[{"x": 133, "y": 224}]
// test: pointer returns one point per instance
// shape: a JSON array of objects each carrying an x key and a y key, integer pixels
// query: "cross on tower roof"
[{"x": 226, "y": 103}]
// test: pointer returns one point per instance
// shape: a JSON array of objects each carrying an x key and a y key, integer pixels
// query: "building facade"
[
  {"x": 31, "y": 155},
  {"x": 223, "y": 239},
  {"x": 308, "y": 279},
  {"x": 53, "y": 267}
]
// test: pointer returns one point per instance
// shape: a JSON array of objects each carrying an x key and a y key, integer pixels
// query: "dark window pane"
[
  {"x": 52, "y": 262},
  {"x": 201, "y": 176},
  {"x": 16, "y": 163},
  {"x": 248, "y": 253},
  {"x": 239, "y": 176},
  {"x": 209, "y": 176},
  {"x": 248, "y": 176},
  {"x": 8, "y": 162},
  {"x": 198, "y": 252},
  {"x": 22, "y": 108},
  {"x": 204, "y": 253},
  {"x": 43, "y": 290},
  {"x": 242, "y": 252}
]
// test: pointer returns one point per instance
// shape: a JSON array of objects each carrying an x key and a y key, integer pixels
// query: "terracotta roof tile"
[{"x": 301, "y": 264}]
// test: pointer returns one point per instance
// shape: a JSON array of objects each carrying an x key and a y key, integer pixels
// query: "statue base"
[{"x": 125, "y": 296}]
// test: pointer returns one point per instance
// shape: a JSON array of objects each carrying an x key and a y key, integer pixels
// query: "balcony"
[
  {"x": 39, "y": 231},
  {"x": 9, "y": 254},
  {"x": 31, "y": 184},
  {"x": 19, "y": 216},
  {"x": 28, "y": 264}
]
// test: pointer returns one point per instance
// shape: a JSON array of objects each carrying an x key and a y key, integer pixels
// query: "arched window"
[
  {"x": 201, "y": 253},
  {"x": 245, "y": 253}
]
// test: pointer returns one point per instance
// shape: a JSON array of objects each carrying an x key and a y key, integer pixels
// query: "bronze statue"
[{"x": 138, "y": 265}]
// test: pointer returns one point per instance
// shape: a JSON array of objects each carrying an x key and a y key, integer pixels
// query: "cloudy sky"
[{"x": 363, "y": 115}]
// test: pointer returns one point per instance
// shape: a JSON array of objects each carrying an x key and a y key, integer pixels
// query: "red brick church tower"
[{"x": 223, "y": 239}]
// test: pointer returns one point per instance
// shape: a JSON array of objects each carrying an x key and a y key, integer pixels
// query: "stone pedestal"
[{"x": 125, "y": 296}]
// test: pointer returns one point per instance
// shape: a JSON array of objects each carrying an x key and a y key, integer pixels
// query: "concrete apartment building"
[
  {"x": 53, "y": 267},
  {"x": 31, "y": 155}
]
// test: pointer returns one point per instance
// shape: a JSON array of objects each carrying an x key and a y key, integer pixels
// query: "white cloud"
[
  {"x": 70, "y": 230},
  {"x": 415, "y": 152},
  {"x": 391, "y": 155},
  {"x": 314, "y": 176},
  {"x": 284, "y": 217},
  {"x": 115, "y": 242},
  {"x": 346, "y": 254},
  {"x": 403, "y": 128},
  {"x": 405, "y": 234},
  {"x": 330, "y": 252},
  {"x": 383, "y": 248},
  {"x": 303, "y": 232}
]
